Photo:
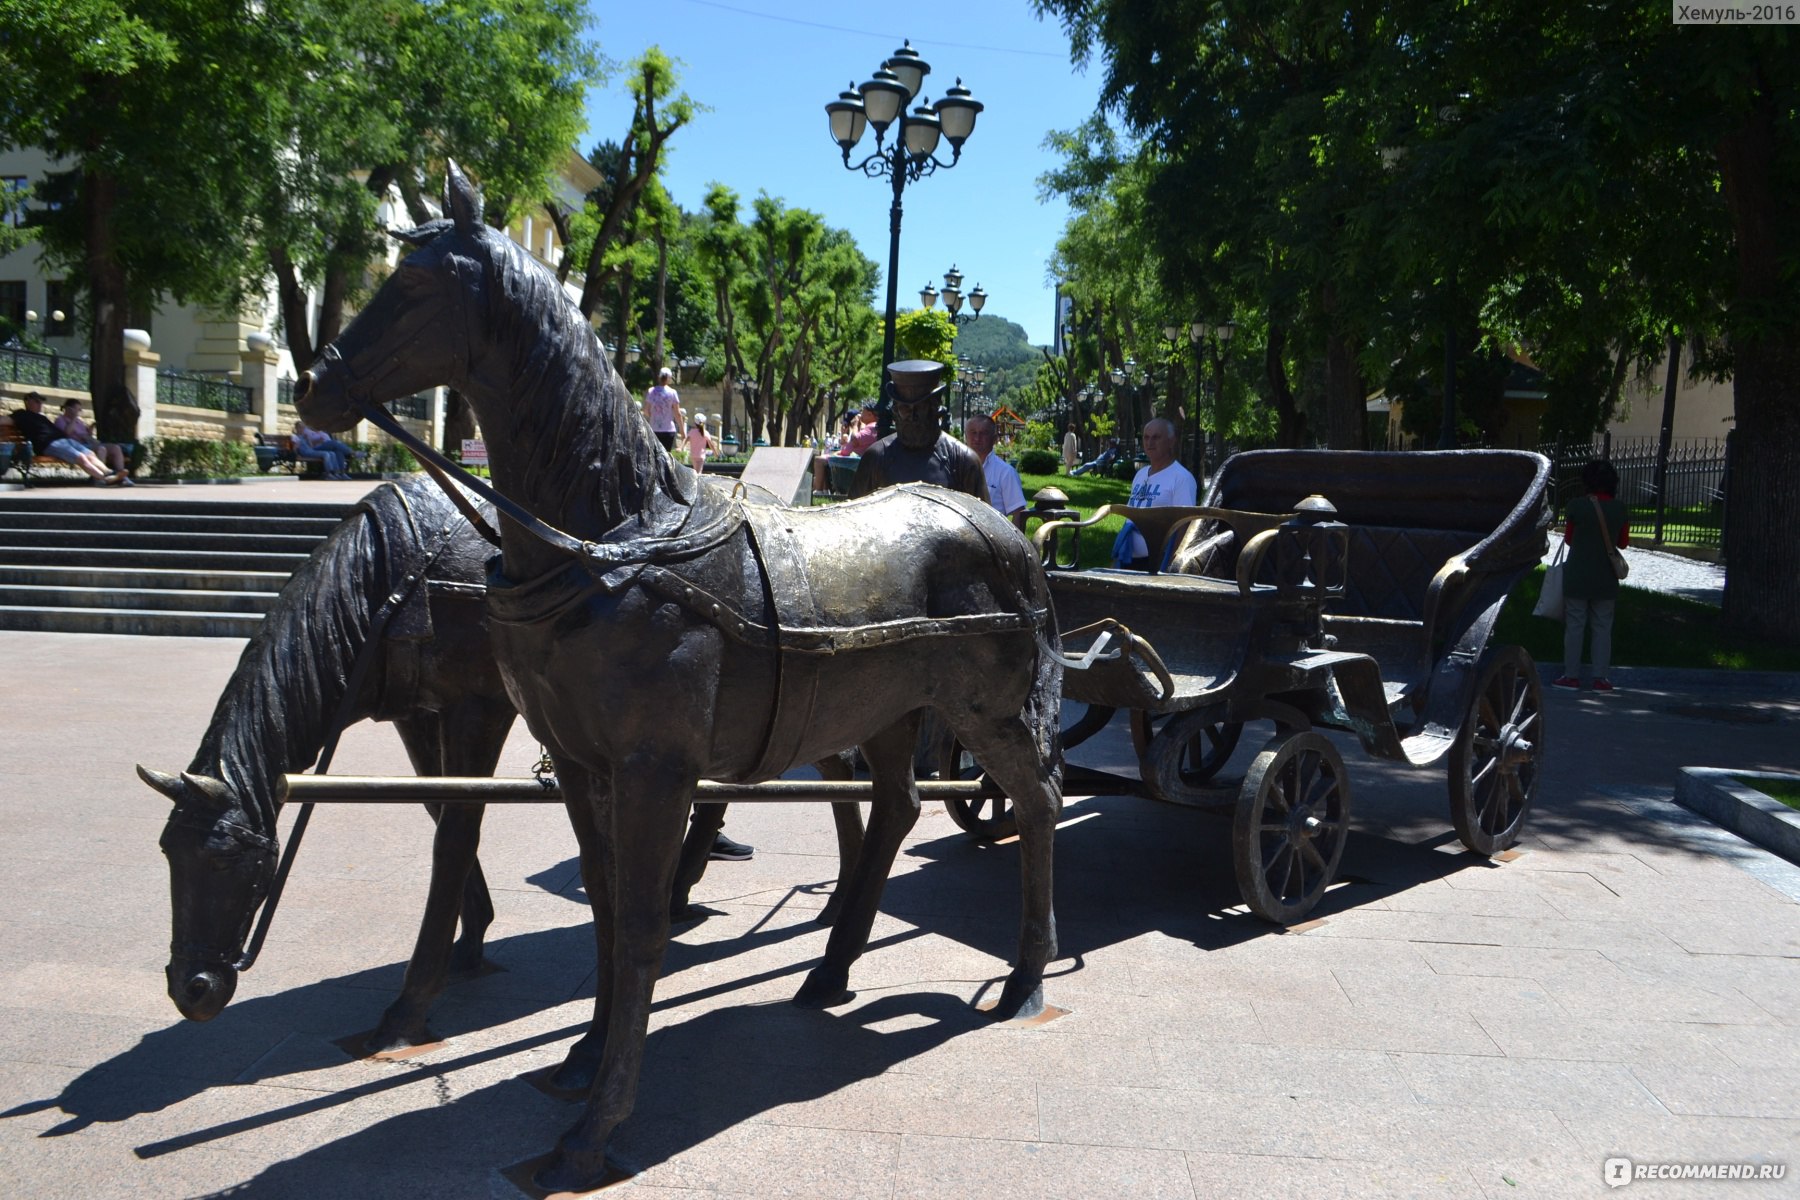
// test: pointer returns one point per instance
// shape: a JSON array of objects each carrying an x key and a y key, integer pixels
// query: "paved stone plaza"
[{"x": 1626, "y": 986}]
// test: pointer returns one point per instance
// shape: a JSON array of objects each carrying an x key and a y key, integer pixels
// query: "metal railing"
[
  {"x": 416, "y": 407},
  {"x": 201, "y": 391},
  {"x": 1693, "y": 508},
  {"x": 45, "y": 370}
]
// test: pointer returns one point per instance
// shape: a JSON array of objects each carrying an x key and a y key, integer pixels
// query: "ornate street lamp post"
[
  {"x": 881, "y": 101},
  {"x": 971, "y": 378},
  {"x": 953, "y": 297}
]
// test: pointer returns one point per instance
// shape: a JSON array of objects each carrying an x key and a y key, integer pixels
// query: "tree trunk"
[
  {"x": 459, "y": 421},
  {"x": 115, "y": 409},
  {"x": 1289, "y": 425},
  {"x": 291, "y": 297},
  {"x": 662, "y": 294},
  {"x": 1762, "y": 507},
  {"x": 1345, "y": 426}
]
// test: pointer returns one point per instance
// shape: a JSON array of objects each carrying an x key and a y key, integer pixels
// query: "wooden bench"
[
  {"x": 15, "y": 451},
  {"x": 278, "y": 451}
]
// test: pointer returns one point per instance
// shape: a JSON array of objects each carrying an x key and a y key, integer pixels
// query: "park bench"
[
  {"x": 278, "y": 451},
  {"x": 15, "y": 451}
]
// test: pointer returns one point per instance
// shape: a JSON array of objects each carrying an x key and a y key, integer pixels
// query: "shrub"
[
  {"x": 388, "y": 458},
  {"x": 1038, "y": 435},
  {"x": 1038, "y": 461},
  {"x": 198, "y": 458}
]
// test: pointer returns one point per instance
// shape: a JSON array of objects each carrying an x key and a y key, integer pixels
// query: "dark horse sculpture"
[
  {"x": 639, "y": 619},
  {"x": 433, "y": 675}
]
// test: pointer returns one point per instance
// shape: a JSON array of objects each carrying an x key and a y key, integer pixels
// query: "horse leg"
[
  {"x": 475, "y": 734},
  {"x": 642, "y": 853},
  {"x": 703, "y": 827},
  {"x": 846, "y": 816},
  {"x": 894, "y": 807},
  {"x": 453, "y": 851},
  {"x": 588, "y": 798},
  {"x": 1007, "y": 750}
]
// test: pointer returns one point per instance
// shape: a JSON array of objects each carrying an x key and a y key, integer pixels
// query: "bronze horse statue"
[
  {"x": 638, "y": 619},
  {"x": 431, "y": 672}
]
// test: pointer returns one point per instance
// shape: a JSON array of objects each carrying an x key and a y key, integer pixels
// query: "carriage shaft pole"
[{"x": 449, "y": 789}]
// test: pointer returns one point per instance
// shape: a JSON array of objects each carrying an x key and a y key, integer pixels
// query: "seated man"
[
  {"x": 46, "y": 438},
  {"x": 1106, "y": 459},
  {"x": 1163, "y": 483},
  {"x": 319, "y": 446}
]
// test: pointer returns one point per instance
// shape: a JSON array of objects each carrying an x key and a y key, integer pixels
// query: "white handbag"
[{"x": 1550, "y": 600}]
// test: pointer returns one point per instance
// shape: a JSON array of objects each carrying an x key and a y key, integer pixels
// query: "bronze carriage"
[{"x": 1316, "y": 590}]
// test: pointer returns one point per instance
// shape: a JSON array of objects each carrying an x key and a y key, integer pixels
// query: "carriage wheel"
[
  {"x": 1178, "y": 755},
  {"x": 987, "y": 819},
  {"x": 1290, "y": 827},
  {"x": 1494, "y": 760}
]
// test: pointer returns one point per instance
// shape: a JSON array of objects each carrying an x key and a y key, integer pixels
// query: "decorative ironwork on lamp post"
[
  {"x": 881, "y": 101},
  {"x": 971, "y": 383}
]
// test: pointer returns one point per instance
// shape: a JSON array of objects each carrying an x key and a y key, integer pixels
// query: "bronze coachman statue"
[{"x": 918, "y": 451}]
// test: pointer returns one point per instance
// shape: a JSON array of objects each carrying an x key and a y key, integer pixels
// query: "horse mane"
[
  {"x": 271, "y": 718},
  {"x": 590, "y": 451}
]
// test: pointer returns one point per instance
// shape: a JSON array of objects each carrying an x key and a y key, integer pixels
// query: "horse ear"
[
  {"x": 417, "y": 236},
  {"x": 168, "y": 785},
  {"x": 461, "y": 200},
  {"x": 213, "y": 793}
]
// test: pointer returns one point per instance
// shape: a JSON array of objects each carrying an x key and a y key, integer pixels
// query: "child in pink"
[{"x": 699, "y": 442}]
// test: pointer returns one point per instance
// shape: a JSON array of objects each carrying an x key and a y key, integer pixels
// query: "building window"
[
  {"x": 13, "y": 189},
  {"x": 59, "y": 297},
  {"x": 12, "y": 308}
]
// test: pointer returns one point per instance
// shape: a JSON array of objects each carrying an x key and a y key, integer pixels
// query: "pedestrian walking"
[{"x": 1598, "y": 526}]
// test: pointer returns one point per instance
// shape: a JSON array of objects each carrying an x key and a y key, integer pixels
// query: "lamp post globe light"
[
  {"x": 881, "y": 101},
  {"x": 954, "y": 297}
]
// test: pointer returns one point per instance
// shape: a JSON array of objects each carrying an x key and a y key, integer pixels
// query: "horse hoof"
[
  {"x": 397, "y": 1033},
  {"x": 577, "y": 1072},
  {"x": 823, "y": 989},
  {"x": 570, "y": 1172},
  {"x": 1019, "y": 1000},
  {"x": 467, "y": 964}
]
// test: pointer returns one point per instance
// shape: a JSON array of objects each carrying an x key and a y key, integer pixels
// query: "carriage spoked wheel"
[
  {"x": 988, "y": 818},
  {"x": 1179, "y": 753},
  {"x": 1291, "y": 823},
  {"x": 1495, "y": 758}
]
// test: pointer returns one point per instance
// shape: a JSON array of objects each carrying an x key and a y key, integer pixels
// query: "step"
[
  {"x": 130, "y": 578},
  {"x": 106, "y": 500},
  {"x": 125, "y": 518},
  {"x": 171, "y": 600},
  {"x": 195, "y": 560},
  {"x": 157, "y": 539},
  {"x": 129, "y": 621}
]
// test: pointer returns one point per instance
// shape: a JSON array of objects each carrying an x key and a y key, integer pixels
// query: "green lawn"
[
  {"x": 1785, "y": 790},
  {"x": 1087, "y": 493},
  {"x": 1650, "y": 630}
]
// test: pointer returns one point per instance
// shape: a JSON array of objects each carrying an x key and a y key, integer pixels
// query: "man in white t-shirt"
[
  {"x": 1165, "y": 483},
  {"x": 1005, "y": 492}
]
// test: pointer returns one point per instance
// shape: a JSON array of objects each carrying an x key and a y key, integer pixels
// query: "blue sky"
[{"x": 766, "y": 68}]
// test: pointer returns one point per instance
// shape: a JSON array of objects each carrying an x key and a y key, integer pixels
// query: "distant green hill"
[{"x": 1001, "y": 346}]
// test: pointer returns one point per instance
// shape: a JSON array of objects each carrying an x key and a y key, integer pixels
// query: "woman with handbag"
[{"x": 1598, "y": 528}]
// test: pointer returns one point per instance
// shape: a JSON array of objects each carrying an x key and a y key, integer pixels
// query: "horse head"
[
  {"x": 416, "y": 331},
  {"x": 219, "y": 871}
]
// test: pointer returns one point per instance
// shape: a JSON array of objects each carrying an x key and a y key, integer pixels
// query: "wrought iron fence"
[
  {"x": 416, "y": 407},
  {"x": 201, "y": 391},
  {"x": 44, "y": 370},
  {"x": 1693, "y": 510}
]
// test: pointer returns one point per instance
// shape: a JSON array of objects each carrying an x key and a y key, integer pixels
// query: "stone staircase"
[{"x": 79, "y": 564}]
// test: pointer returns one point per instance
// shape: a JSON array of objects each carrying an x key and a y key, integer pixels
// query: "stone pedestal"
[
  {"x": 261, "y": 361},
  {"x": 140, "y": 380}
]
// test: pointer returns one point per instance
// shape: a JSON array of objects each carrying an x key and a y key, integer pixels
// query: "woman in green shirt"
[{"x": 1590, "y": 587}]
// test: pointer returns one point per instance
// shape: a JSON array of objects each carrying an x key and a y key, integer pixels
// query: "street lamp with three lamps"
[
  {"x": 953, "y": 297},
  {"x": 881, "y": 101}
]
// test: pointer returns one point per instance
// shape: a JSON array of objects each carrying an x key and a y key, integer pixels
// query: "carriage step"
[
  {"x": 35, "y": 595},
  {"x": 130, "y": 621}
]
